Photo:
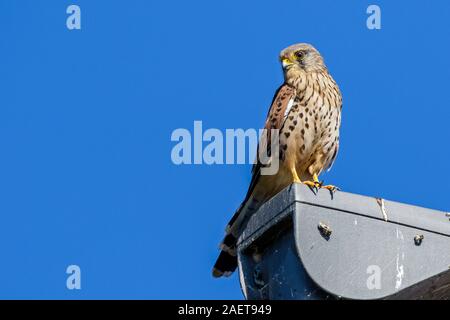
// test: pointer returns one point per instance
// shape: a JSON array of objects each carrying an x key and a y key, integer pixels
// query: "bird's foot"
[
  {"x": 314, "y": 185},
  {"x": 319, "y": 184},
  {"x": 330, "y": 188}
]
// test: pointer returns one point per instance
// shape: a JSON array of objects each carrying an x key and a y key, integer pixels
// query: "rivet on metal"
[
  {"x": 325, "y": 230},
  {"x": 418, "y": 239}
]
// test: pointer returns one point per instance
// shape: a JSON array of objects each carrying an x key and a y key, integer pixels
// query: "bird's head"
[{"x": 300, "y": 58}]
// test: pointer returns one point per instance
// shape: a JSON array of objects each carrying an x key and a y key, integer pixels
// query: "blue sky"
[{"x": 86, "y": 117}]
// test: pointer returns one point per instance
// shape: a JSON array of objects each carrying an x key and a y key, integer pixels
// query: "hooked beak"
[{"x": 285, "y": 62}]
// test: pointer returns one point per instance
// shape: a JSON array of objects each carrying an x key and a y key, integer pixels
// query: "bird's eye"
[{"x": 300, "y": 54}]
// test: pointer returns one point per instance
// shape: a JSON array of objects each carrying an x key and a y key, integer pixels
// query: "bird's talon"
[
  {"x": 331, "y": 188},
  {"x": 313, "y": 184}
]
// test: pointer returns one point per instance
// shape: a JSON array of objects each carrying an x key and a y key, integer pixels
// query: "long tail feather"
[{"x": 227, "y": 261}]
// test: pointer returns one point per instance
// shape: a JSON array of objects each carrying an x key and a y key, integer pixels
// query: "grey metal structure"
[{"x": 302, "y": 245}]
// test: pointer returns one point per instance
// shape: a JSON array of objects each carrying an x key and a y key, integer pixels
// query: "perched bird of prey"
[{"x": 306, "y": 110}]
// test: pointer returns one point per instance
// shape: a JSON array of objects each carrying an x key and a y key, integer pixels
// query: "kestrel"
[{"x": 306, "y": 110}]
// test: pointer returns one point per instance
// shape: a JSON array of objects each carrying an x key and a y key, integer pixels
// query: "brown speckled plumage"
[{"x": 306, "y": 110}]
